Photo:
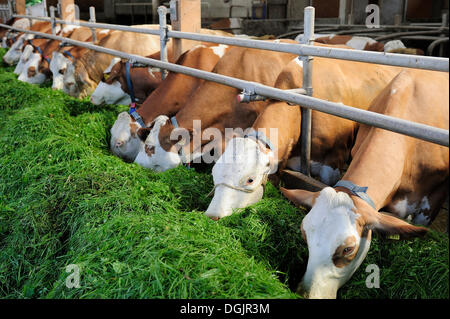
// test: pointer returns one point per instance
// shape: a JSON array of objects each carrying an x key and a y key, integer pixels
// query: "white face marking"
[
  {"x": 111, "y": 65},
  {"x": 327, "y": 226},
  {"x": 243, "y": 164},
  {"x": 23, "y": 59},
  {"x": 393, "y": 91},
  {"x": 359, "y": 43},
  {"x": 219, "y": 50},
  {"x": 13, "y": 55},
  {"x": 110, "y": 94},
  {"x": 58, "y": 63},
  {"x": 160, "y": 160},
  {"x": 392, "y": 45},
  {"x": 105, "y": 31},
  {"x": 122, "y": 143},
  {"x": 70, "y": 86},
  {"x": 33, "y": 61},
  {"x": 327, "y": 174}
]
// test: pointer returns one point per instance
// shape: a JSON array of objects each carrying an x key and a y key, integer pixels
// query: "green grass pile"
[{"x": 65, "y": 199}]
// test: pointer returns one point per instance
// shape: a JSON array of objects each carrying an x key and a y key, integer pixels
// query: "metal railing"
[{"x": 305, "y": 50}]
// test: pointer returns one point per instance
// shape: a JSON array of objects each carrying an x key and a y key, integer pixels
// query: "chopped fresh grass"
[{"x": 65, "y": 199}]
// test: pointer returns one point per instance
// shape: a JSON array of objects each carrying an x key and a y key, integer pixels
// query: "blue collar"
[
  {"x": 136, "y": 115},
  {"x": 181, "y": 153},
  {"x": 41, "y": 53},
  {"x": 68, "y": 54},
  {"x": 260, "y": 136},
  {"x": 129, "y": 83},
  {"x": 356, "y": 190},
  {"x": 132, "y": 111}
]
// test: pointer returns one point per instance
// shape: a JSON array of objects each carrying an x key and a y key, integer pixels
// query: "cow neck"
[{"x": 356, "y": 190}]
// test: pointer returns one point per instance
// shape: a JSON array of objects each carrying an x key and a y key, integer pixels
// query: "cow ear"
[
  {"x": 300, "y": 197},
  {"x": 143, "y": 133},
  {"x": 392, "y": 226}
]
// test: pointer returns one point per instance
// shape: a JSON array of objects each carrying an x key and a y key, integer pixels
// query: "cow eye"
[
  {"x": 62, "y": 71},
  {"x": 348, "y": 250},
  {"x": 250, "y": 181}
]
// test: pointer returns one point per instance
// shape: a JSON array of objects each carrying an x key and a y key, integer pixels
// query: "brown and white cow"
[
  {"x": 367, "y": 44},
  {"x": 166, "y": 100},
  {"x": 213, "y": 104},
  {"x": 82, "y": 76},
  {"x": 350, "y": 83},
  {"x": 38, "y": 66},
  {"x": 66, "y": 55},
  {"x": 113, "y": 88},
  {"x": 13, "y": 55},
  {"x": 404, "y": 176}
]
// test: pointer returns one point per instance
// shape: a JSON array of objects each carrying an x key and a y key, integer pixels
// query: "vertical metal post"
[
  {"x": 162, "y": 12},
  {"x": 308, "y": 37},
  {"x": 52, "y": 19},
  {"x": 10, "y": 7},
  {"x": 444, "y": 24},
  {"x": 92, "y": 20}
]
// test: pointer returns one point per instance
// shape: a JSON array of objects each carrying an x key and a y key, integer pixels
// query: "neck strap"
[{"x": 356, "y": 190}]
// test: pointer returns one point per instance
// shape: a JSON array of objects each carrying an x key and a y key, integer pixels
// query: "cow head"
[
  {"x": 24, "y": 58},
  {"x": 36, "y": 70},
  {"x": 13, "y": 55},
  {"x": 338, "y": 231},
  {"x": 393, "y": 45},
  {"x": 159, "y": 151},
  {"x": 109, "y": 90},
  {"x": 239, "y": 176},
  {"x": 77, "y": 82},
  {"x": 58, "y": 66},
  {"x": 124, "y": 142}
]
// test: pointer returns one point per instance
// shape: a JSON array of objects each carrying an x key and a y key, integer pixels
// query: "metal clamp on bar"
[{"x": 248, "y": 95}]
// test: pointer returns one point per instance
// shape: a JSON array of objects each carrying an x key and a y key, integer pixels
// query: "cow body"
[
  {"x": 331, "y": 137},
  {"x": 66, "y": 55},
  {"x": 215, "y": 105},
  {"x": 81, "y": 77},
  {"x": 166, "y": 100},
  {"x": 366, "y": 44},
  {"x": 113, "y": 88},
  {"x": 405, "y": 176}
]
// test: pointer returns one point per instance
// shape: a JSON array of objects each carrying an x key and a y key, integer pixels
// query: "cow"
[
  {"x": 67, "y": 54},
  {"x": 389, "y": 172},
  {"x": 8, "y": 36},
  {"x": 167, "y": 99},
  {"x": 366, "y": 44},
  {"x": 215, "y": 105},
  {"x": 82, "y": 76},
  {"x": 113, "y": 88},
  {"x": 38, "y": 67},
  {"x": 13, "y": 55},
  {"x": 351, "y": 83}
]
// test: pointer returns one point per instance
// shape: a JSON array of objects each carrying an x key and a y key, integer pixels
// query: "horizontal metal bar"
[
  {"x": 97, "y": 25},
  {"x": 383, "y": 26},
  {"x": 403, "y": 60},
  {"x": 417, "y": 130}
]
